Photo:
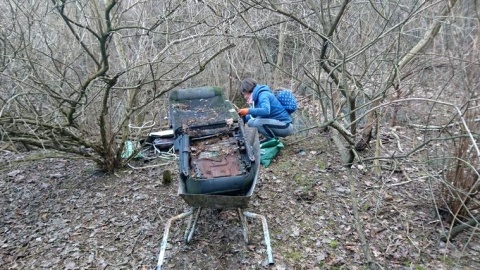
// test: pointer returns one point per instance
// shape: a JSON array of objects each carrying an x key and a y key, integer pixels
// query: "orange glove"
[{"x": 243, "y": 112}]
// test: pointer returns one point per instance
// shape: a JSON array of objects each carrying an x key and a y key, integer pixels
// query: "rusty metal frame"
[
  {"x": 193, "y": 215},
  {"x": 200, "y": 114}
]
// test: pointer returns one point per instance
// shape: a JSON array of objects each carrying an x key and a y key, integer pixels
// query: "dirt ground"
[{"x": 62, "y": 213}]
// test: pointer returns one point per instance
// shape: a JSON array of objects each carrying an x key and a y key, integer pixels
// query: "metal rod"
[
  {"x": 243, "y": 222},
  {"x": 165, "y": 237},
  {"x": 189, "y": 226},
  {"x": 195, "y": 219},
  {"x": 265, "y": 233}
]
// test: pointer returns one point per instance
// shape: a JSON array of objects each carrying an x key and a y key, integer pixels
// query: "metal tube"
[
  {"x": 192, "y": 229},
  {"x": 189, "y": 226},
  {"x": 165, "y": 236},
  {"x": 265, "y": 233},
  {"x": 243, "y": 222}
]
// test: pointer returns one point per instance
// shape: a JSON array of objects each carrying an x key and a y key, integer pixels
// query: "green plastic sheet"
[
  {"x": 269, "y": 150},
  {"x": 129, "y": 149}
]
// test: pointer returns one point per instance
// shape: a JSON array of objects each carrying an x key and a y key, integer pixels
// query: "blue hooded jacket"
[{"x": 266, "y": 105}]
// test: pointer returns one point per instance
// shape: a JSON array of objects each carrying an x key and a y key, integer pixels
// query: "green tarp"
[{"x": 268, "y": 151}]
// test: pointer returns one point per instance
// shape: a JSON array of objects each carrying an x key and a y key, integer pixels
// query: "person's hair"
[{"x": 247, "y": 85}]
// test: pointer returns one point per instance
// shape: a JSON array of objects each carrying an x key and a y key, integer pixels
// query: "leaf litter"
[{"x": 63, "y": 214}]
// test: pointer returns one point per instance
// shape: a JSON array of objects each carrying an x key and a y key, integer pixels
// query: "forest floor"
[{"x": 60, "y": 213}]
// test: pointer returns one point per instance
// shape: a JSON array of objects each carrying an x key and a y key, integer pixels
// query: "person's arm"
[{"x": 263, "y": 107}]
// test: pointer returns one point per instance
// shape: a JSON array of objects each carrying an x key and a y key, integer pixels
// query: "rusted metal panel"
[
  {"x": 215, "y": 157},
  {"x": 222, "y": 166}
]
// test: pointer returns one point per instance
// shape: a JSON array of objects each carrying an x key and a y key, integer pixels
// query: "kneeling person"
[{"x": 266, "y": 113}]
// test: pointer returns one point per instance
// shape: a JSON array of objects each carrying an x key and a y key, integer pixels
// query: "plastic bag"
[
  {"x": 129, "y": 149},
  {"x": 269, "y": 150}
]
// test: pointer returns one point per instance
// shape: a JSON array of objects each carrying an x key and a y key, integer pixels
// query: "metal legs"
[
  {"x": 243, "y": 221},
  {"x": 265, "y": 233},
  {"x": 191, "y": 226},
  {"x": 165, "y": 237},
  {"x": 193, "y": 215}
]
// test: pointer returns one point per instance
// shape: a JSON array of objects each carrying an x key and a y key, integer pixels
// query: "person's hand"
[{"x": 242, "y": 112}]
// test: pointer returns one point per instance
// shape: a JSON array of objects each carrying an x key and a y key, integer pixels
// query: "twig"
[
  {"x": 135, "y": 242},
  {"x": 425, "y": 127},
  {"x": 347, "y": 158},
  {"x": 298, "y": 140},
  {"x": 459, "y": 228},
  {"x": 149, "y": 166},
  {"x": 401, "y": 183},
  {"x": 358, "y": 224},
  {"x": 410, "y": 239},
  {"x": 398, "y": 142}
]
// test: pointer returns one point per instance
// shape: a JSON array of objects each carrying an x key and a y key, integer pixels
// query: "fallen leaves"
[{"x": 105, "y": 222}]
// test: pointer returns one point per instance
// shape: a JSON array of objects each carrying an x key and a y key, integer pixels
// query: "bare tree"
[
  {"x": 83, "y": 77},
  {"x": 82, "y": 71},
  {"x": 366, "y": 62}
]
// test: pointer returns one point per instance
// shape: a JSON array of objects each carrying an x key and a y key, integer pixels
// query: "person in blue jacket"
[{"x": 265, "y": 112}]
